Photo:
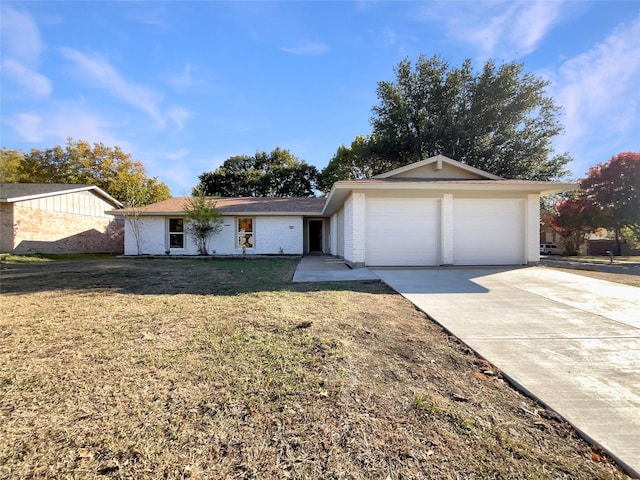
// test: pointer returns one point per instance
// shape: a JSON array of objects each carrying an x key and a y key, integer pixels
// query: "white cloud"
[
  {"x": 58, "y": 125},
  {"x": 33, "y": 82},
  {"x": 179, "y": 115},
  {"x": 533, "y": 22},
  {"x": 21, "y": 50},
  {"x": 180, "y": 174},
  {"x": 183, "y": 79},
  {"x": 27, "y": 126},
  {"x": 496, "y": 27},
  {"x": 307, "y": 48},
  {"x": 20, "y": 36},
  {"x": 103, "y": 75},
  {"x": 599, "y": 92},
  {"x": 177, "y": 155},
  {"x": 150, "y": 15}
]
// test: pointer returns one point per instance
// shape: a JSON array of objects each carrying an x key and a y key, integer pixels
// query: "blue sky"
[{"x": 182, "y": 86}]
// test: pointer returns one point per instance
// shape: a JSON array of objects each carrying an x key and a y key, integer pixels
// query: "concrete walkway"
[
  {"x": 571, "y": 341},
  {"x": 327, "y": 268}
]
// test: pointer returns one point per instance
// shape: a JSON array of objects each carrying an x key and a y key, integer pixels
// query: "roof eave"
[
  {"x": 86, "y": 188},
  {"x": 342, "y": 189},
  {"x": 142, "y": 213}
]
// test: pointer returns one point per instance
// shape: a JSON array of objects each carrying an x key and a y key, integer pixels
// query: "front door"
[{"x": 315, "y": 236}]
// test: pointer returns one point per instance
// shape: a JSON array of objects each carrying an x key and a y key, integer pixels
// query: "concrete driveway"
[{"x": 571, "y": 341}]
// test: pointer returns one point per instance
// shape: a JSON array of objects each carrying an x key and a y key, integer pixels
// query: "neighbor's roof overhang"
[{"x": 20, "y": 192}]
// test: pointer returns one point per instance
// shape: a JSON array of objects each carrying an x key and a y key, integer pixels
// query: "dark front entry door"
[{"x": 315, "y": 236}]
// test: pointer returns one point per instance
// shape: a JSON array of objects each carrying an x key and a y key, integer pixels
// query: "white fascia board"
[
  {"x": 48, "y": 194},
  {"x": 224, "y": 214},
  {"x": 341, "y": 190},
  {"x": 87, "y": 188}
]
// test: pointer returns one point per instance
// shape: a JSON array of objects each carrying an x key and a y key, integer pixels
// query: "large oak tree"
[
  {"x": 275, "y": 174},
  {"x": 79, "y": 162},
  {"x": 499, "y": 119}
]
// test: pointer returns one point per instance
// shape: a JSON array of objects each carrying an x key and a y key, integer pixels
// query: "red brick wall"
[{"x": 43, "y": 231}]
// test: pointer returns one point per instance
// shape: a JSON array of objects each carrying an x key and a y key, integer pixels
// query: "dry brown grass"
[
  {"x": 167, "y": 368},
  {"x": 623, "y": 278}
]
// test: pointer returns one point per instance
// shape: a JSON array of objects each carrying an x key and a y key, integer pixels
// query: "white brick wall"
[
  {"x": 359, "y": 221},
  {"x": 340, "y": 232},
  {"x": 348, "y": 229},
  {"x": 333, "y": 234},
  {"x": 446, "y": 233},
  {"x": 532, "y": 228},
  {"x": 272, "y": 233},
  {"x": 153, "y": 235},
  {"x": 354, "y": 229}
]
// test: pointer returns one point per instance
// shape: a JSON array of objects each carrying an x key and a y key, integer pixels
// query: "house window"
[
  {"x": 246, "y": 237},
  {"x": 176, "y": 233}
]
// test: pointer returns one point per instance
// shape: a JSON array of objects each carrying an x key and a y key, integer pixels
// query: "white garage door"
[
  {"x": 402, "y": 232},
  {"x": 488, "y": 232}
]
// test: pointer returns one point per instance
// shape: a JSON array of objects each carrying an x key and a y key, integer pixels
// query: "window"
[
  {"x": 245, "y": 233},
  {"x": 176, "y": 233}
]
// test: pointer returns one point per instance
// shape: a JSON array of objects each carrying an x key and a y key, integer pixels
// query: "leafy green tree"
[
  {"x": 203, "y": 221},
  {"x": 10, "y": 161},
  {"x": 614, "y": 190},
  {"x": 79, "y": 162},
  {"x": 275, "y": 174},
  {"x": 353, "y": 162},
  {"x": 499, "y": 120}
]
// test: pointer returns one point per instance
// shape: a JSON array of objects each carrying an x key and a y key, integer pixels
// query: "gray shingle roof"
[
  {"x": 17, "y": 190},
  {"x": 241, "y": 205}
]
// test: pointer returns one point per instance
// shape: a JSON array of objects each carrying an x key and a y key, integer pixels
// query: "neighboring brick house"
[{"x": 58, "y": 218}]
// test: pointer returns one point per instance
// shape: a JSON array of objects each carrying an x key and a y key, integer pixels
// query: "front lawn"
[{"x": 169, "y": 368}]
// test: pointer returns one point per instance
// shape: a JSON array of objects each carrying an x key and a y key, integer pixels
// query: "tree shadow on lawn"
[{"x": 164, "y": 276}]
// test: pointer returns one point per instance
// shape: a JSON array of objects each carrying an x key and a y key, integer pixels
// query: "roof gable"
[
  {"x": 439, "y": 168},
  {"x": 17, "y": 192}
]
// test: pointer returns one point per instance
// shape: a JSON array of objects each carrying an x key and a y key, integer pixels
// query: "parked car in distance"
[{"x": 549, "y": 249}]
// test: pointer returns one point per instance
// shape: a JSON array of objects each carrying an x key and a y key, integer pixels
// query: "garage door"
[
  {"x": 402, "y": 232},
  {"x": 488, "y": 232}
]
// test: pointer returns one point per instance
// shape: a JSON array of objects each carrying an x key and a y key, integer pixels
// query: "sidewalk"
[{"x": 327, "y": 268}]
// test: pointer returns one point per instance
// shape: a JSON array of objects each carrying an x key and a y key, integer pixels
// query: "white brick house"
[
  {"x": 434, "y": 212},
  {"x": 252, "y": 226}
]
